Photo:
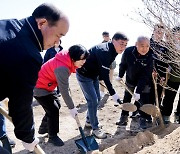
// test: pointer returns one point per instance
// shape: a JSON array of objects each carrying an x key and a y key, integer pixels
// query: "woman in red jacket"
[{"x": 55, "y": 73}]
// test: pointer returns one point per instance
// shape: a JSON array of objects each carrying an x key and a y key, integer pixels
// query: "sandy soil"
[{"x": 123, "y": 140}]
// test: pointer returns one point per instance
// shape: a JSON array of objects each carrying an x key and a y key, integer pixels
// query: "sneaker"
[
  {"x": 98, "y": 133},
  {"x": 55, "y": 140},
  {"x": 142, "y": 123},
  {"x": 88, "y": 125},
  {"x": 123, "y": 120},
  {"x": 166, "y": 119},
  {"x": 135, "y": 114}
]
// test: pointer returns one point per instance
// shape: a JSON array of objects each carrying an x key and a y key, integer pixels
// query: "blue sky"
[{"x": 88, "y": 18}]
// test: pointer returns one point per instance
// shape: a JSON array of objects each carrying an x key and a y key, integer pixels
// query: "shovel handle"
[{"x": 77, "y": 120}]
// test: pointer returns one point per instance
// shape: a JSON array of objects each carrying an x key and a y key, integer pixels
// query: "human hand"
[
  {"x": 136, "y": 96},
  {"x": 73, "y": 112},
  {"x": 31, "y": 146},
  {"x": 116, "y": 99}
]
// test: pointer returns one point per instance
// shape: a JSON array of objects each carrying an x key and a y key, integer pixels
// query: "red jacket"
[{"x": 46, "y": 77}]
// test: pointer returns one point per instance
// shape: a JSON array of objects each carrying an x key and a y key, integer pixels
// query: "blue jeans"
[
  {"x": 2, "y": 126},
  {"x": 90, "y": 89}
]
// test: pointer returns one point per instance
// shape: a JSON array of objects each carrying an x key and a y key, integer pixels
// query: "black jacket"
[
  {"x": 98, "y": 63},
  {"x": 20, "y": 58},
  {"x": 158, "y": 65},
  {"x": 138, "y": 68}
]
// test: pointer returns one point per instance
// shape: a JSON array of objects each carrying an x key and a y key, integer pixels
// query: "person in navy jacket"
[{"x": 21, "y": 42}]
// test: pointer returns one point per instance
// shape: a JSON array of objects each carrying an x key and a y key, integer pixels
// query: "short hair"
[
  {"x": 78, "y": 52},
  {"x": 120, "y": 36},
  {"x": 105, "y": 33},
  {"x": 48, "y": 11},
  {"x": 142, "y": 38}
]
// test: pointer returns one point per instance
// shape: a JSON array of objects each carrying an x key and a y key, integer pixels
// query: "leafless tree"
[{"x": 166, "y": 13}]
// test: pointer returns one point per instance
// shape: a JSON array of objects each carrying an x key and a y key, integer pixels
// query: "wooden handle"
[
  {"x": 38, "y": 150},
  {"x": 77, "y": 121}
]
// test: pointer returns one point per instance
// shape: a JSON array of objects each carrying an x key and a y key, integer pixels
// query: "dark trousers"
[
  {"x": 144, "y": 99},
  {"x": 51, "y": 105},
  {"x": 20, "y": 110},
  {"x": 169, "y": 98}
]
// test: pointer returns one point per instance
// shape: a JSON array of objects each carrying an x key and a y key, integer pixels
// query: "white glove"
[
  {"x": 116, "y": 99},
  {"x": 31, "y": 146},
  {"x": 136, "y": 96},
  {"x": 73, "y": 112},
  {"x": 118, "y": 78}
]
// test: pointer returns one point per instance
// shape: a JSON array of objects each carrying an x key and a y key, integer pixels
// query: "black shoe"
[
  {"x": 142, "y": 123},
  {"x": 123, "y": 120},
  {"x": 56, "y": 141}
]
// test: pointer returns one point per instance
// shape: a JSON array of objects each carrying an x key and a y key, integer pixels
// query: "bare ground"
[{"x": 123, "y": 140}]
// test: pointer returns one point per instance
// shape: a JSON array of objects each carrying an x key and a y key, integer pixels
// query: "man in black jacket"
[
  {"x": 136, "y": 62},
  {"x": 21, "y": 42},
  {"x": 98, "y": 64}
]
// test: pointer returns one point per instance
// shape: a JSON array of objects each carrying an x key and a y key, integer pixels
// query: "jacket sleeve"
[
  {"x": 104, "y": 66},
  {"x": 123, "y": 65},
  {"x": 62, "y": 76}
]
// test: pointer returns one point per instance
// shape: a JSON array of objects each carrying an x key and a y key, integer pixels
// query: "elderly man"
[
  {"x": 21, "y": 42},
  {"x": 136, "y": 62}
]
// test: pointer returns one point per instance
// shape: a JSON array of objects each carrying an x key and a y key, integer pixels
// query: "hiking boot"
[
  {"x": 166, "y": 119},
  {"x": 98, "y": 133},
  {"x": 123, "y": 120},
  {"x": 135, "y": 114},
  {"x": 142, "y": 123},
  {"x": 55, "y": 140}
]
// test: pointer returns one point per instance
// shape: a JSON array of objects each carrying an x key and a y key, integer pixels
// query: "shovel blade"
[
  {"x": 128, "y": 107},
  {"x": 150, "y": 109},
  {"x": 92, "y": 144}
]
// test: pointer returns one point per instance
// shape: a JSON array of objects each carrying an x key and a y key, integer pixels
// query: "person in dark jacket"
[
  {"x": 136, "y": 62},
  {"x": 56, "y": 72},
  {"x": 106, "y": 38},
  {"x": 173, "y": 82},
  {"x": 98, "y": 64},
  {"x": 159, "y": 67},
  {"x": 51, "y": 52},
  {"x": 21, "y": 42}
]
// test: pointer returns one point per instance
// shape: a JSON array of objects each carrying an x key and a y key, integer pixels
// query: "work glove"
[
  {"x": 73, "y": 112},
  {"x": 116, "y": 99},
  {"x": 31, "y": 146},
  {"x": 118, "y": 78},
  {"x": 136, "y": 96}
]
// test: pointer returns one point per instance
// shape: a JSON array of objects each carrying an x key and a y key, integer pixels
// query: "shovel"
[
  {"x": 86, "y": 143},
  {"x": 147, "y": 108},
  {"x": 37, "y": 148},
  {"x": 125, "y": 106}
]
